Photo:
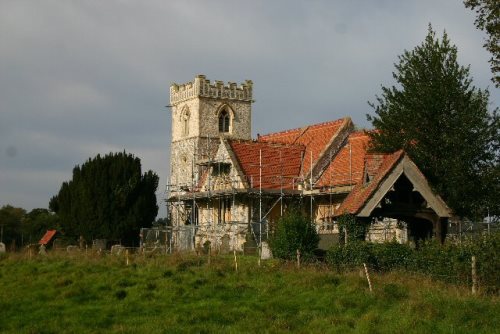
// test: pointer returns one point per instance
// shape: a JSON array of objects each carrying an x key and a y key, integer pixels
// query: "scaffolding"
[{"x": 204, "y": 210}]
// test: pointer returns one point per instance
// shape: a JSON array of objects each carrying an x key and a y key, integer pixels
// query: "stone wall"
[
  {"x": 387, "y": 230},
  {"x": 195, "y": 124}
]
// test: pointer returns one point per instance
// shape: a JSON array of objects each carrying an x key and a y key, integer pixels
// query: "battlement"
[{"x": 202, "y": 87}]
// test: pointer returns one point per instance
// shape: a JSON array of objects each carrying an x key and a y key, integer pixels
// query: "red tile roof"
[
  {"x": 280, "y": 163},
  {"x": 362, "y": 192},
  {"x": 315, "y": 138},
  {"x": 347, "y": 167},
  {"x": 47, "y": 237}
]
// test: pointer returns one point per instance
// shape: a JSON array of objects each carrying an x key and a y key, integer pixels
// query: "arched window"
[{"x": 224, "y": 120}]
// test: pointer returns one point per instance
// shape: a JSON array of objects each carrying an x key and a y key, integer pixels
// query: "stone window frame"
[{"x": 225, "y": 119}]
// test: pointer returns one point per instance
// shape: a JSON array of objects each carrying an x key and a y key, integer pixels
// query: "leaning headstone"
[
  {"x": 2, "y": 247},
  {"x": 266, "y": 251}
]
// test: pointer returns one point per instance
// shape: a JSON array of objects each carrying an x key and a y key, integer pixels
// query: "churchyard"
[{"x": 97, "y": 292}]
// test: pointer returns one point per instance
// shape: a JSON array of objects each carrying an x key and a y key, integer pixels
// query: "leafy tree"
[
  {"x": 293, "y": 231},
  {"x": 37, "y": 222},
  {"x": 488, "y": 19},
  {"x": 109, "y": 198},
  {"x": 442, "y": 121},
  {"x": 10, "y": 223}
]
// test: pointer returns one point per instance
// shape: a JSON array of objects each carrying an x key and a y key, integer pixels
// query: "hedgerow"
[{"x": 451, "y": 261}]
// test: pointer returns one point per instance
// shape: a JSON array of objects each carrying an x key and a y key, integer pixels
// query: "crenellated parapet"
[{"x": 202, "y": 87}]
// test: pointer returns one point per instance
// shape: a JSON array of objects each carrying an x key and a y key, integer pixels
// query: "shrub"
[
  {"x": 294, "y": 231},
  {"x": 350, "y": 255},
  {"x": 450, "y": 262},
  {"x": 355, "y": 230},
  {"x": 391, "y": 255}
]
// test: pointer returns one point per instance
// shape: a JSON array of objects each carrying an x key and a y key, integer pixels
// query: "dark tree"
[
  {"x": 294, "y": 231},
  {"x": 108, "y": 198},
  {"x": 488, "y": 20},
  {"x": 11, "y": 219},
  {"x": 37, "y": 222},
  {"x": 442, "y": 121}
]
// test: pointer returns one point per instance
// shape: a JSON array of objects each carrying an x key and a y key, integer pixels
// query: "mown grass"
[{"x": 185, "y": 294}]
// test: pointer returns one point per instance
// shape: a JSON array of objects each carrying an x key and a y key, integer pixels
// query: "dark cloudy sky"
[{"x": 78, "y": 78}]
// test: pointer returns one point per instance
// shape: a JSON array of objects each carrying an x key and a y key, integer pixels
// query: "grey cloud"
[{"x": 85, "y": 77}]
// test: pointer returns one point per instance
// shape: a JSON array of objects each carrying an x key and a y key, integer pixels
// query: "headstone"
[
  {"x": 117, "y": 249},
  {"x": 42, "y": 250},
  {"x": 72, "y": 249},
  {"x": 224, "y": 247},
  {"x": 81, "y": 242},
  {"x": 2, "y": 247},
  {"x": 99, "y": 245},
  {"x": 266, "y": 251}
]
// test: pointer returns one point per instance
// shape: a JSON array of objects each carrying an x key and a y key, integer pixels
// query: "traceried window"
[{"x": 224, "y": 121}]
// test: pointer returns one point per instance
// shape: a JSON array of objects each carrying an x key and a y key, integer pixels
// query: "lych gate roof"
[{"x": 363, "y": 191}]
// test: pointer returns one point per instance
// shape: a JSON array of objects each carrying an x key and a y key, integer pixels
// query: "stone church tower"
[{"x": 202, "y": 112}]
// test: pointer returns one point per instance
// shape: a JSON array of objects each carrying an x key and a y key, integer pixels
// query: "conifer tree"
[
  {"x": 441, "y": 120},
  {"x": 108, "y": 198}
]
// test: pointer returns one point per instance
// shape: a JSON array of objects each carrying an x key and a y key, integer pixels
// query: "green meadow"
[{"x": 190, "y": 294}]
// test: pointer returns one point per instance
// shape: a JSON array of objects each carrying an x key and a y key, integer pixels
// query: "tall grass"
[{"x": 180, "y": 293}]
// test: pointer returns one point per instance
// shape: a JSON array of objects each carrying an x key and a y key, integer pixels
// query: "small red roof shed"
[{"x": 47, "y": 237}]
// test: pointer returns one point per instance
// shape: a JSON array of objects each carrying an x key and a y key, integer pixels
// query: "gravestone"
[
  {"x": 224, "y": 247},
  {"x": 266, "y": 251},
  {"x": 42, "y": 250},
  {"x": 117, "y": 249},
  {"x": 72, "y": 249},
  {"x": 99, "y": 244},
  {"x": 2, "y": 247}
]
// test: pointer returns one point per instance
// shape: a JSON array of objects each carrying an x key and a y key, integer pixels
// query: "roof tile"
[
  {"x": 362, "y": 192},
  {"x": 347, "y": 166},
  {"x": 280, "y": 165},
  {"x": 314, "y": 138}
]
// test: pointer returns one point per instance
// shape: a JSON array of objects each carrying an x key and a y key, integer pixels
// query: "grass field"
[{"x": 174, "y": 294}]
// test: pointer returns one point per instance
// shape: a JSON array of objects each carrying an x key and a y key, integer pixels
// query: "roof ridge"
[
  {"x": 300, "y": 128},
  {"x": 267, "y": 143}
]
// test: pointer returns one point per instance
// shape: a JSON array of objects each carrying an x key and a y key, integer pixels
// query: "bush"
[
  {"x": 450, "y": 262},
  {"x": 350, "y": 255},
  {"x": 294, "y": 231},
  {"x": 391, "y": 255}
]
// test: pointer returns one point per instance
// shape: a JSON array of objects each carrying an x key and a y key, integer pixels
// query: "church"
[{"x": 227, "y": 189}]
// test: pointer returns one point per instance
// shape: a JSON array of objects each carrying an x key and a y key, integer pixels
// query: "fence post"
[
  {"x": 209, "y": 251},
  {"x": 474, "y": 275},
  {"x": 298, "y": 258},
  {"x": 368, "y": 277},
  {"x": 235, "y": 261},
  {"x": 126, "y": 256},
  {"x": 260, "y": 254}
]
